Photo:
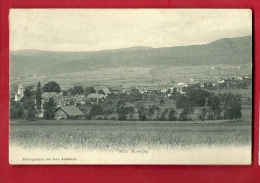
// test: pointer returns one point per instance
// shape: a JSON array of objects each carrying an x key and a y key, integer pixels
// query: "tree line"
[{"x": 211, "y": 106}]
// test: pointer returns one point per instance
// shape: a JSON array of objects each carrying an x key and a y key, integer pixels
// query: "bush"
[
  {"x": 96, "y": 110},
  {"x": 16, "y": 110},
  {"x": 143, "y": 117},
  {"x": 113, "y": 118},
  {"x": 87, "y": 116},
  {"x": 210, "y": 116},
  {"x": 142, "y": 113},
  {"x": 30, "y": 115},
  {"x": 99, "y": 117},
  {"x": 171, "y": 116},
  {"x": 186, "y": 114},
  {"x": 202, "y": 114}
]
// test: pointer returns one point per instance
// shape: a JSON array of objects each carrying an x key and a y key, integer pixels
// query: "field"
[
  {"x": 132, "y": 76},
  {"x": 135, "y": 142},
  {"x": 111, "y": 135}
]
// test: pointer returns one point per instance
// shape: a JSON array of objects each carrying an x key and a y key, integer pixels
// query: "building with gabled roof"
[
  {"x": 115, "y": 89},
  {"x": 194, "y": 83},
  {"x": 182, "y": 84},
  {"x": 152, "y": 89},
  {"x": 48, "y": 95},
  {"x": 102, "y": 88},
  {"x": 94, "y": 97},
  {"x": 68, "y": 112}
]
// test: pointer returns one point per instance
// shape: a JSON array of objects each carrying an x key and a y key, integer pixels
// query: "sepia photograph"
[{"x": 130, "y": 86}]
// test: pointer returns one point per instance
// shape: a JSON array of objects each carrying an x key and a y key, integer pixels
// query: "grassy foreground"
[{"x": 109, "y": 135}]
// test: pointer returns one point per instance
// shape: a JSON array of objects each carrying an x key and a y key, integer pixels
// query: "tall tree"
[
  {"x": 172, "y": 115},
  {"x": 122, "y": 113},
  {"x": 96, "y": 110},
  {"x": 28, "y": 92},
  {"x": 232, "y": 106},
  {"x": 101, "y": 92},
  {"x": 16, "y": 110},
  {"x": 216, "y": 107},
  {"x": 186, "y": 113},
  {"x": 89, "y": 90},
  {"x": 236, "y": 108},
  {"x": 181, "y": 101},
  {"x": 51, "y": 87},
  {"x": 76, "y": 90},
  {"x": 120, "y": 103},
  {"x": 38, "y": 97},
  {"x": 152, "y": 97},
  {"x": 30, "y": 114},
  {"x": 203, "y": 114},
  {"x": 163, "y": 114},
  {"x": 161, "y": 102},
  {"x": 142, "y": 112},
  {"x": 135, "y": 95},
  {"x": 198, "y": 97},
  {"x": 150, "y": 112},
  {"x": 131, "y": 112},
  {"x": 49, "y": 109}
]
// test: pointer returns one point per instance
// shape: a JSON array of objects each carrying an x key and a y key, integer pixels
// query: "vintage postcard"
[{"x": 130, "y": 86}]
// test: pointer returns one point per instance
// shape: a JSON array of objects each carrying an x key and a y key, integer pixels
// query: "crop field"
[
  {"x": 131, "y": 76},
  {"x": 113, "y": 136}
]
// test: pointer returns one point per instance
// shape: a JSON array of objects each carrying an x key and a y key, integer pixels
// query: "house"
[
  {"x": 47, "y": 95},
  {"x": 181, "y": 85},
  {"x": 137, "y": 89},
  {"x": 151, "y": 90},
  {"x": 94, "y": 97},
  {"x": 69, "y": 100},
  {"x": 248, "y": 77},
  {"x": 133, "y": 89},
  {"x": 63, "y": 100},
  {"x": 193, "y": 83},
  {"x": 115, "y": 90},
  {"x": 104, "y": 89},
  {"x": 221, "y": 81},
  {"x": 68, "y": 112},
  {"x": 237, "y": 78},
  {"x": 58, "y": 100},
  {"x": 164, "y": 90}
]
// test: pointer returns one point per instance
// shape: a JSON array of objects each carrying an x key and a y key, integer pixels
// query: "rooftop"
[
  {"x": 95, "y": 95},
  {"x": 47, "y": 95},
  {"x": 71, "y": 110}
]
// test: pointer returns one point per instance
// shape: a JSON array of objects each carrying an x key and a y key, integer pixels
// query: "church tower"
[
  {"x": 19, "y": 93},
  {"x": 20, "y": 90}
]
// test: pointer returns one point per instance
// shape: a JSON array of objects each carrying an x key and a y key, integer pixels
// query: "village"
[
  {"x": 131, "y": 87},
  {"x": 172, "y": 102}
]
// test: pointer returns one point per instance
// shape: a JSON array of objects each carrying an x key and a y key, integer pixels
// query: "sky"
[{"x": 105, "y": 29}]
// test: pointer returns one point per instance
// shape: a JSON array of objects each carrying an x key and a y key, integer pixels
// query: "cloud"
[{"x": 99, "y": 29}]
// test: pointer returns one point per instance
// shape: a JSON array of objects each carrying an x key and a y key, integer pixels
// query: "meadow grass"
[{"x": 111, "y": 135}]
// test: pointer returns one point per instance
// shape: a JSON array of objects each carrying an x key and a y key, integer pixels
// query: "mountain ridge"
[{"x": 224, "y": 51}]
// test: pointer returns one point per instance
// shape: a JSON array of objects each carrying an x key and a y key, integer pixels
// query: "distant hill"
[{"x": 230, "y": 51}]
